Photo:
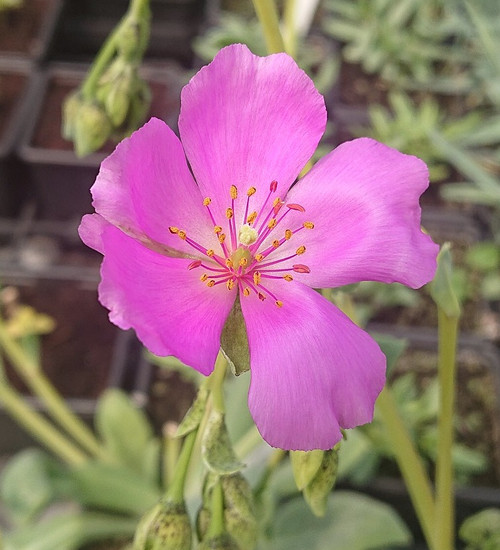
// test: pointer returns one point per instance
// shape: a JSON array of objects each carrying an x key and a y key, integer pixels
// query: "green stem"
[
  {"x": 39, "y": 427},
  {"x": 176, "y": 489},
  {"x": 171, "y": 452},
  {"x": 216, "y": 526},
  {"x": 268, "y": 16},
  {"x": 216, "y": 383},
  {"x": 445, "y": 513},
  {"x": 410, "y": 464},
  {"x": 41, "y": 387},
  {"x": 289, "y": 30}
]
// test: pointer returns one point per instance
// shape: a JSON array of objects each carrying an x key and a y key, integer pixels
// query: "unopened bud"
[
  {"x": 117, "y": 100},
  {"x": 317, "y": 491},
  {"x": 70, "y": 113},
  {"x": 140, "y": 101},
  {"x": 224, "y": 541},
  {"x": 166, "y": 526},
  {"x": 92, "y": 129},
  {"x": 133, "y": 37},
  {"x": 216, "y": 449}
]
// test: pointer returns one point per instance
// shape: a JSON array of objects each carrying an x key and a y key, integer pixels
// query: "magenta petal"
[
  {"x": 171, "y": 310},
  {"x": 364, "y": 201},
  {"x": 313, "y": 371},
  {"x": 249, "y": 120},
  {"x": 145, "y": 186}
]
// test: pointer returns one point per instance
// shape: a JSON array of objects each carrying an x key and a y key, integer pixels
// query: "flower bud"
[
  {"x": 317, "y": 491},
  {"x": 166, "y": 526},
  {"x": 70, "y": 113},
  {"x": 92, "y": 128},
  {"x": 224, "y": 541},
  {"x": 140, "y": 102},
  {"x": 216, "y": 449},
  {"x": 133, "y": 37},
  {"x": 117, "y": 100}
]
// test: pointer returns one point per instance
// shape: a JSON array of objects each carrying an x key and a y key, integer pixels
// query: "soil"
[
  {"x": 76, "y": 356},
  {"x": 20, "y": 28},
  {"x": 11, "y": 87},
  {"x": 48, "y": 130}
]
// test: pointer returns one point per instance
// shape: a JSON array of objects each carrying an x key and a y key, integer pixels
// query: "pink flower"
[{"x": 179, "y": 249}]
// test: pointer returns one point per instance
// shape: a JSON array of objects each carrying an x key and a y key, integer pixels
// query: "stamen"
[
  {"x": 204, "y": 277},
  {"x": 256, "y": 277},
  {"x": 259, "y": 257},
  {"x": 296, "y": 207},
  {"x": 174, "y": 230},
  {"x": 288, "y": 234},
  {"x": 229, "y": 213},
  {"x": 309, "y": 225},
  {"x": 194, "y": 265},
  {"x": 222, "y": 237},
  {"x": 252, "y": 217},
  {"x": 273, "y": 186},
  {"x": 211, "y": 283},
  {"x": 210, "y": 253},
  {"x": 246, "y": 291},
  {"x": 233, "y": 192},
  {"x": 279, "y": 303},
  {"x": 229, "y": 263},
  {"x": 301, "y": 268},
  {"x": 272, "y": 223},
  {"x": 243, "y": 262},
  {"x": 182, "y": 235},
  {"x": 276, "y": 243},
  {"x": 217, "y": 229},
  {"x": 251, "y": 191},
  {"x": 300, "y": 250},
  {"x": 230, "y": 284},
  {"x": 262, "y": 297},
  {"x": 207, "y": 201},
  {"x": 272, "y": 189},
  {"x": 288, "y": 277}
]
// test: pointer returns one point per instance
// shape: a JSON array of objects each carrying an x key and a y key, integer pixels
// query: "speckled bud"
[
  {"x": 223, "y": 541},
  {"x": 92, "y": 128},
  {"x": 165, "y": 527},
  {"x": 317, "y": 491}
]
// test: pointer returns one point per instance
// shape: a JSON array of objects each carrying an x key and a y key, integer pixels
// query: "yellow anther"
[
  {"x": 259, "y": 257},
  {"x": 309, "y": 225},
  {"x": 288, "y": 234},
  {"x": 251, "y": 191},
  {"x": 272, "y": 223},
  {"x": 243, "y": 262},
  {"x": 173, "y": 229},
  {"x": 182, "y": 235},
  {"x": 276, "y": 201},
  {"x": 251, "y": 217},
  {"x": 210, "y": 252},
  {"x": 279, "y": 303},
  {"x": 229, "y": 263},
  {"x": 300, "y": 250},
  {"x": 217, "y": 229},
  {"x": 230, "y": 284},
  {"x": 276, "y": 243},
  {"x": 288, "y": 277},
  {"x": 246, "y": 292},
  {"x": 211, "y": 283},
  {"x": 222, "y": 238},
  {"x": 229, "y": 213},
  {"x": 233, "y": 192},
  {"x": 207, "y": 201},
  {"x": 204, "y": 277},
  {"x": 256, "y": 277}
]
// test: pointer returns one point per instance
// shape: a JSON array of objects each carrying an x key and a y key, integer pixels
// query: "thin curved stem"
[{"x": 268, "y": 16}]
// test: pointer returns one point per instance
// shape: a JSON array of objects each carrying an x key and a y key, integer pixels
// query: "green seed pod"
[
  {"x": 316, "y": 493},
  {"x": 224, "y": 541},
  {"x": 165, "y": 527},
  {"x": 70, "y": 113},
  {"x": 92, "y": 128},
  {"x": 305, "y": 465}
]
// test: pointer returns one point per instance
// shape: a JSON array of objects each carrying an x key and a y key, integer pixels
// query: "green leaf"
[
  {"x": 484, "y": 256},
  {"x": 441, "y": 288},
  {"x": 69, "y": 531},
  {"x": 481, "y": 529},
  {"x": 114, "y": 488},
  {"x": 124, "y": 428},
  {"x": 29, "y": 482},
  {"x": 216, "y": 448},
  {"x": 351, "y": 522}
]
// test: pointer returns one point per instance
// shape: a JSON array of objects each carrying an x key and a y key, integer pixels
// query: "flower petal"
[
  {"x": 145, "y": 186},
  {"x": 312, "y": 369},
  {"x": 246, "y": 121},
  {"x": 363, "y": 200},
  {"x": 171, "y": 310}
]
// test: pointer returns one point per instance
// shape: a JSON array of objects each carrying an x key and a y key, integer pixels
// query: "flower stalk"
[
  {"x": 268, "y": 16},
  {"x": 42, "y": 388}
]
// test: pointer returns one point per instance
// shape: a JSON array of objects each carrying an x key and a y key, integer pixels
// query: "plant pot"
[
  {"x": 15, "y": 76},
  {"x": 84, "y": 26},
  {"x": 60, "y": 180},
  {"x": 28, "y": 30}
]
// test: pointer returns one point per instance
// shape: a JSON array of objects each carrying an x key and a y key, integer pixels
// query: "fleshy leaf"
[{"x": 216, "y": 448}]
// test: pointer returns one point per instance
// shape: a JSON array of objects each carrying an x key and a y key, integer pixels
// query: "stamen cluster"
[{"x": 241, "y": 260}]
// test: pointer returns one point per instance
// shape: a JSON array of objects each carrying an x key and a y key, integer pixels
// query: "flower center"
[{"x": 244, "y": 260}]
